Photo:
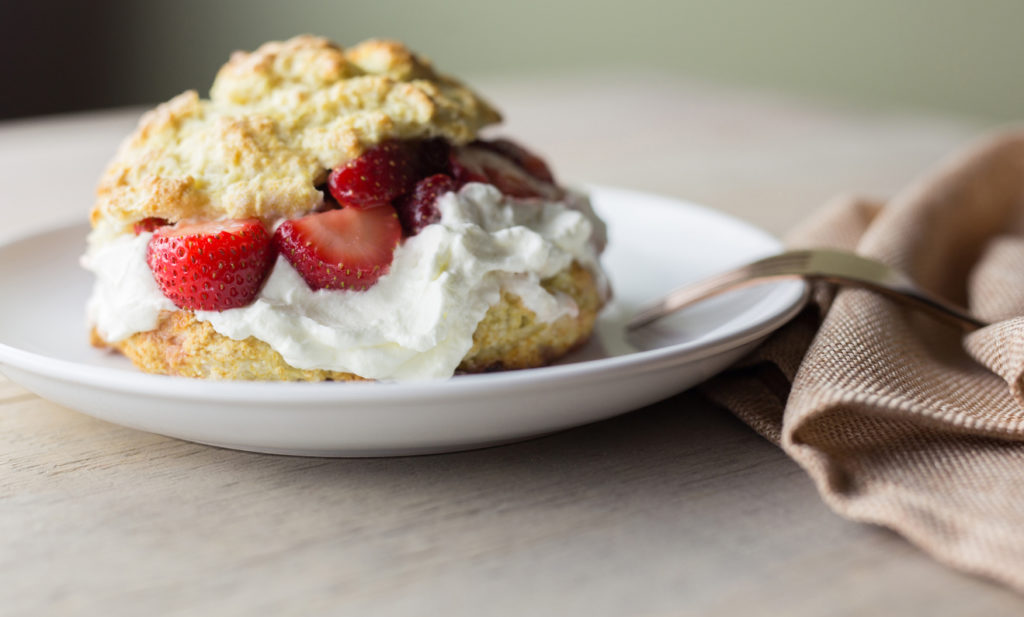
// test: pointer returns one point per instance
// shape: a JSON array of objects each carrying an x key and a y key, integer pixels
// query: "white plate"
[{"x": 655, "y": 244}]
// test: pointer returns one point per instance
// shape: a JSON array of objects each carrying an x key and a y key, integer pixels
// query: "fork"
[{"x": 827, "y": 265}]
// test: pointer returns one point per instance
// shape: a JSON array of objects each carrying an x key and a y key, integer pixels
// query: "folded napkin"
[{"x": 900, "y": 420}]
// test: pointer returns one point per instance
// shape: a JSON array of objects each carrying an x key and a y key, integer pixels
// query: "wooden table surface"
[{"x": 674, "y": 509}]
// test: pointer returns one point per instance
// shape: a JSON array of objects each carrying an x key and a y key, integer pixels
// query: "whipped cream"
[
  {"x": 416, "y": 322},
  {"x": 125, "y": 298}
]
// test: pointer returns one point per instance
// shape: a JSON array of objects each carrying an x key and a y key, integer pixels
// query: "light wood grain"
[{"x": 674, "y": 509}]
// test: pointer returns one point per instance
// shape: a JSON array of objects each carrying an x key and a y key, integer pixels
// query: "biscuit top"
[{"x": 277, "y": 121}]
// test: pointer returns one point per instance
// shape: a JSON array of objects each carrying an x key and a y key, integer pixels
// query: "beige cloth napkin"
[{"x": 902, "y": 421}]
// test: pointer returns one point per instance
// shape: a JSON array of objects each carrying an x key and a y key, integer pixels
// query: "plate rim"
[{"x": 174, "y": 387}]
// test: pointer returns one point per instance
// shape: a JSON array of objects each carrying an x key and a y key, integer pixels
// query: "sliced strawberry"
[
  {"x": 341, "y": 249},
  {"x": 211, "y": 266},
  {"x": 380, "y": 174},
  {"x": 152, "y": 223},
  {"x": 418, "y": 209},
  {"x": 529, "y": 161},
  {"x": 475, "y": 163}
]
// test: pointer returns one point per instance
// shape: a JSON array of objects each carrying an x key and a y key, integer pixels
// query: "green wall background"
[{"x": 959, "y": 56}]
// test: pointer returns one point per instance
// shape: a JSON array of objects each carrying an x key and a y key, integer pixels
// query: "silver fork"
[{"x": 836, "y": 267}]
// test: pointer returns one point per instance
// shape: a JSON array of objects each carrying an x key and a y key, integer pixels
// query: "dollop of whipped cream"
[{"x": 416, "y": 322}]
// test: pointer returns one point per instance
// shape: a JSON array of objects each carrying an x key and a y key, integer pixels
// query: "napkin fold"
[{"x": 900, "y": 420}]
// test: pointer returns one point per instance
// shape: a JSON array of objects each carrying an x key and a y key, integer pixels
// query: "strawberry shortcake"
[{"x": 333, "y": 214}]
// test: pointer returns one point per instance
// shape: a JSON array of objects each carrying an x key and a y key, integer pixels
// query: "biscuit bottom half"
[{"x": 509, "y": 337}]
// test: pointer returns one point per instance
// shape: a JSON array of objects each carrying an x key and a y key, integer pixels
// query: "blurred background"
[{"x": 960, "y": 57}]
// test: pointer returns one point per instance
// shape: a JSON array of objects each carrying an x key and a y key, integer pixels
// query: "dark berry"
[
  {"x": 529, "y": 161},
  {"x": 419, "y": 208}
]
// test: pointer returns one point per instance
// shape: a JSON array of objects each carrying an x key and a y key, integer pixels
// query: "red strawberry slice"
[
  {"x": 152, "y": 223},
  {"x": 476, "y": 163},
  {"x": 341, "y": 249},
  {"x": 380, "y": 174},
  {"x": 418, "y": 209},
  {"x": 529, "y": 161},
  {"x": 211, "y": 266}
]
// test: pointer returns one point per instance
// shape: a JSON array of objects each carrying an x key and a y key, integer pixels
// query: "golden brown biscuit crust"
[
  {"x": 277, "y": 120},
  {"x": 508, "y": 337}
]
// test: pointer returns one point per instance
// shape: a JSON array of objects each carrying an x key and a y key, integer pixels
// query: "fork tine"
[{"x": 783, "y": 265}]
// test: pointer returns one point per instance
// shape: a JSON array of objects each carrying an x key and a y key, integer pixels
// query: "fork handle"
[
  {"x": 736, "y": 279},
  {"x": 691, "y": 294},
  {"x": 932, "y": 305}
]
